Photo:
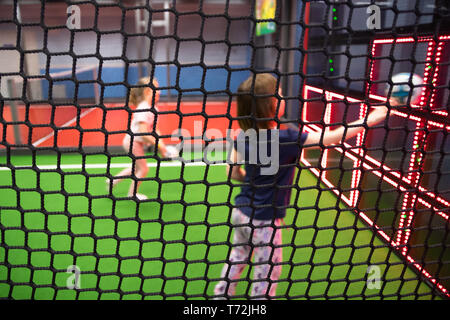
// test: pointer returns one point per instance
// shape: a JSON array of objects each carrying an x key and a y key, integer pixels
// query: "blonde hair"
[
  {"x": 137, "y": 95},
  {"x": 256, "y": 107}
]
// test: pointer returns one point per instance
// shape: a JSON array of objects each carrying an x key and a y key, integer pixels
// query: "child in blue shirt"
[{"x": 262, "y": 201}]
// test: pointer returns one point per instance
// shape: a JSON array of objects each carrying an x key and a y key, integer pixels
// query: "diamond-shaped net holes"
[{"x": 366, "y": 218}]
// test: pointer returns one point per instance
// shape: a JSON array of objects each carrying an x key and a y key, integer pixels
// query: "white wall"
[
  {"x": 9, "y": 59},
  {"x": 54, "y": 43},
  {"x": 112, "y": 44}
]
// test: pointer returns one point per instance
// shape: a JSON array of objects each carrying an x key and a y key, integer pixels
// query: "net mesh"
[{"x": 368, "y": 218}]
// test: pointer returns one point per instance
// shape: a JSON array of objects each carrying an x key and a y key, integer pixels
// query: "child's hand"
[
  {"x": 394, "y": 101},
  {"x": 378, "y": 115},
  {"x": 171, "y": 152}
]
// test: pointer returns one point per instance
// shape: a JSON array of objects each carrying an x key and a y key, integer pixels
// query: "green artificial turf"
[{"x": 174, "y": 243}]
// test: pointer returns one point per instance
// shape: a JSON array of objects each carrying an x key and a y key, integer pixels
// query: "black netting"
[{"x": 366, "y": 218}]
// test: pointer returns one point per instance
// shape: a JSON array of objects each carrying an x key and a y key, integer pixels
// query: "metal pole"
[
  {"x": 293, "y": 88},
  {"x": 167, "y": 30},
  {"x": 138, "y": 26},
  {"x": 165, "y": 23},
  {"x": 96, "y": 87},
  {"x": 14, "y": 113},
  {"x": 22, "y": 47}
]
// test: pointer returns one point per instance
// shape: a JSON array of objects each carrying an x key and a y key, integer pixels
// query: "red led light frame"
[
  {"x": 396, "y": 178},
  {"x": 416, "y": 162},
  {"x": 356, "y": 174}
]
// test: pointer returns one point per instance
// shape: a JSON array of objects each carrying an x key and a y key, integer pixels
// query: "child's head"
[
  {"x": 257, "y": 102},
  {"x": 144, "y": 93}
]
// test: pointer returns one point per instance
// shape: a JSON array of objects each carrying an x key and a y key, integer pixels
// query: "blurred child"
[
  {"x": 144, "y": 98},
  {"x": 262, "y": 201}
]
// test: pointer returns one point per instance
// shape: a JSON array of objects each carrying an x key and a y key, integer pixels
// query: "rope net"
[{"x": 365, "y": 218}]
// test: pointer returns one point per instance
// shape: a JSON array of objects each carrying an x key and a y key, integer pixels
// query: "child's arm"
[
  {"x": 330, "y": 137},
  {"x": 148, "y": 138},
  {"x": 151, "y": 139},
  {"x": 161, "y": 145},
  {"x": 237, "y": 172}
]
